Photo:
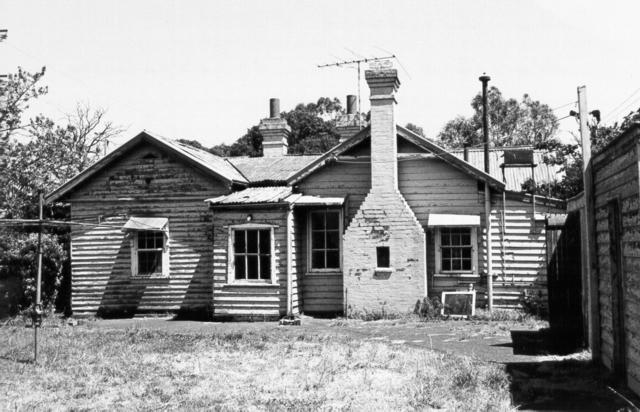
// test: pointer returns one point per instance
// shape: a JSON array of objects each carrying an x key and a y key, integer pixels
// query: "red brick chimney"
[
  {"x": 275, "y": 132},
  {"x": 348, "y": 124}
]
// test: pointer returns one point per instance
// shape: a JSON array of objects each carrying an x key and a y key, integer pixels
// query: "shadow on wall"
[
  {"x": 122, "y": 294},
  {"x": 197, "y": 303},
  {"x": 126, "y": 296}
]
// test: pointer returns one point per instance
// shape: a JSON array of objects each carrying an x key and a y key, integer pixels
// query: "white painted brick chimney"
[
  {"x": 384, "y": 223},
  {"x": 384, "y": 149}
]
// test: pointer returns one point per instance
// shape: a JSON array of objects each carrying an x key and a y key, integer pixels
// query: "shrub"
[
  {"x": 534, "y": 304},
  {"x": 18, "y": 270},
  {"x": 428, "y": 308}
]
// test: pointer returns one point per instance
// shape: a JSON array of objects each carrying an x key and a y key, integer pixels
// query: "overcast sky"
[{"x": 205, "y": 70}]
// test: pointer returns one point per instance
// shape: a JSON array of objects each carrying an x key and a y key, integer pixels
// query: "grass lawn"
[{"x": 85, "y": 367}]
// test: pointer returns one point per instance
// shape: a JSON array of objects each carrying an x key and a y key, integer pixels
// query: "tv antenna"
[{"x": 357, "y": 62}]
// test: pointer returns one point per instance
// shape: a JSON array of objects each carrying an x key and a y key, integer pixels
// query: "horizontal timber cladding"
[
  {"x": 518, "y": 242},
  {"x": 237, "y": 299},
  {"x": 321, "y": 293},
  {"x": 434, "y": 186},
  {"x": 615, "y": 176},
  {"x": 519, "y": 250},
  {"x": 146, "y": 182},
  {"x": 344, "y": 178}
]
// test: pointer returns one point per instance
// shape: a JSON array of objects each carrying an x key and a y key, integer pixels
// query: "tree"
[
  {"x": 51, "y": 155},
  {"x": 313, "y": 127},
  {"x": 312, "y": 131},
  {"x": 415, "y": 129},
  {"x": 569, "y": 155},
  {"x": 15, "y": 93},
  {"x": 45, "y": 155},
  {"x": 511, "y": 123}
]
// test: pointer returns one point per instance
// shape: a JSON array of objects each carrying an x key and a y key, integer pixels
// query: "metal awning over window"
[
  {"x": 306, "y": 200},
  {"x": 146, "y": 223},
  {"x": 438, "y": 219}
]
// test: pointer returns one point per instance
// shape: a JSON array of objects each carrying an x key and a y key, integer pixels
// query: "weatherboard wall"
[
  {"x": 615, "y": 179},
  {"x": 252, "y": 300},
  {"x": 351, "y": 179},
  {"x": 144, "y": 182},
  {"x": 433, "y": 186}
]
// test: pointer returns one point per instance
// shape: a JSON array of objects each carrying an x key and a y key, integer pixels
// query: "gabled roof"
[
  {"x": 514, "y": 177},
  {"x": 408, "y": 135},
  {"x": 276, "y": 169},
  {"x": 211, "y": 164}
]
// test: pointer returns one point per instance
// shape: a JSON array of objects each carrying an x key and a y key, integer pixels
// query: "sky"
[{"x": 205, "y": 70}]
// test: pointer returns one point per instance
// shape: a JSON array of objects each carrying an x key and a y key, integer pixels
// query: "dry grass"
[{"x": 89, "y": 368}]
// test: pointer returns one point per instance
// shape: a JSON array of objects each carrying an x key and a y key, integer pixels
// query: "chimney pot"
[
  {"x": 274, "y": 108},
  {"x": 352, "y": 104},
  {"x": 275, "y": 131}
]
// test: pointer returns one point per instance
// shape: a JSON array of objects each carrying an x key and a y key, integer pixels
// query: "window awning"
[
  {"x": 437, "y": 219},
  {"x": 146, "y": 223},
  {"x": 306, "y": 200}
]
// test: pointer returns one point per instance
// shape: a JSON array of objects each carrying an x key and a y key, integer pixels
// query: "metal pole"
[
  {"x": 37, "y": 308},
  {"x": 487, "y": 191},
  {"x": 485, "y": 120}
]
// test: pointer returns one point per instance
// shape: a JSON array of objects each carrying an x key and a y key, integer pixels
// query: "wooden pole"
[
  {"x": 589, "y": 229},
  {"x": 37, "y": 309}
]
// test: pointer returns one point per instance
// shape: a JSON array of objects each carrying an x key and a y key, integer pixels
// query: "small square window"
[{"x": 382, "y": 255}]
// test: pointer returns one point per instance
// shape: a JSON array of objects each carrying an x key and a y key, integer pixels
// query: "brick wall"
[{"x": 384, "y": 219}]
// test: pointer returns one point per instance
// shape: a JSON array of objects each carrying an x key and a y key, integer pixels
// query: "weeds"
[{"x": 90, "y": 368}]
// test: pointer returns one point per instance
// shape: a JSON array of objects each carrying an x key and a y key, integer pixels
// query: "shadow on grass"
[
  {"x": 564, "y": 385},
  {"x": 544, "y": 342}
]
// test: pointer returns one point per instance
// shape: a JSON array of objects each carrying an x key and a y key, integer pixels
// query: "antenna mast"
[{"x": 357, "y": 62}]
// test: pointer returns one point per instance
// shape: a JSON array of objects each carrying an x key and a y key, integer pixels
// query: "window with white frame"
[
  {"x": 456, "y": 250},
  {"x": 325, "y": 228},
  {"x": 150, "y": 253},
  {"x": 252, "y": 254}
]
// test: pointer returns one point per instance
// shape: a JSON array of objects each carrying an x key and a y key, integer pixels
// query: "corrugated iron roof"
[
  {"x": 514, "y": 176},
  {"x": 253, "y": 195},
  {"x": 210, "y": 163},
  {"x": 217, "y": 164},
  {"x": 257, "y": 169}
]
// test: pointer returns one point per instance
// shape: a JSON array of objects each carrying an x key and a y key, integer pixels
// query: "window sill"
[
  {"x": 384, "y": 270},
  {"x": 456, "y": 274},
  {"x": 251, "y": 285},
  {"x": 145, "y": 277},
  {"x": 336, "y": 272}
]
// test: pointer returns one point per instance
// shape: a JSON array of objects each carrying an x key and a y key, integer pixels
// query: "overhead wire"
[{"x": 613, "y": 111}]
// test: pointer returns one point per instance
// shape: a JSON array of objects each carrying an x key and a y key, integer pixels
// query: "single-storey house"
[{"x": 380, "y": 221}]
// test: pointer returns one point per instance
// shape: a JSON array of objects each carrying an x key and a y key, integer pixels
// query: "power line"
[
  {"x": 614, "y": 110},
  {"x": 565, "y": 105}
]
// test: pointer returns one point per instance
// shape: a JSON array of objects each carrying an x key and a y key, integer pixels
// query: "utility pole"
[
  {"x": 37, "y": 309},
  {"x": 487, "y": 191},
  {"x": 3, "y": 37},
  {"x": 588, "y": 226},
  {"x": 357, "y": 62}
]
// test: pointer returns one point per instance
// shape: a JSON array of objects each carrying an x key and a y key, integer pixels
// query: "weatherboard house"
[{"x": 378, "y": 222}]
